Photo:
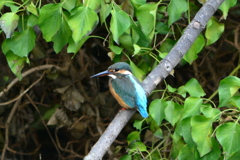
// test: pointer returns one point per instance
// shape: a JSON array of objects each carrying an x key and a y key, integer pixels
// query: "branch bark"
[{"x": 156, "y": 76}]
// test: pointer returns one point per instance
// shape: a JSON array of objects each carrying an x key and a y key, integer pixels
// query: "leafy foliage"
[{"x": 182, "y": 120}]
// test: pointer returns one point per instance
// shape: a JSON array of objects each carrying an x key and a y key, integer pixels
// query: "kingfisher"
[{"x": 126, "y": 88}]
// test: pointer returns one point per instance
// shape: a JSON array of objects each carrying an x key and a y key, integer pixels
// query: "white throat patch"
[{"x": 113, "y": 76}]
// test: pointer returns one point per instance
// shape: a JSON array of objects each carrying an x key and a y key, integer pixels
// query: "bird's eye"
[{"x": 116, "y": 70}]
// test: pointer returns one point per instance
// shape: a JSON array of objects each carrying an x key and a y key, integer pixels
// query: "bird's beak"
[{"x": 104, "y": 73}]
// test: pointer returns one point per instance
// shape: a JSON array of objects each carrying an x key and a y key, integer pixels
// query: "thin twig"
[
  {"x": 32, "y": 70},
  {"x": 43, "y": 122},
  {"x": 7, "y": 125},
  {"x": 24, "y": 92}
]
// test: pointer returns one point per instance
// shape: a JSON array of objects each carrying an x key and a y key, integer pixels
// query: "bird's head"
[{"x": 116, "y": 70}]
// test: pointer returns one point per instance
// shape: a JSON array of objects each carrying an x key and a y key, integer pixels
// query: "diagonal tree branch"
[{"x": 156, "y": 76}]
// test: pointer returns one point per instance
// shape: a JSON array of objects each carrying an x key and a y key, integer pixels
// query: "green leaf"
[
  {"x": 194, "y": 88},
  {"x": 82, "y": 22},
  {"x": 32, "y": 9},
  {"x": 226, "y": 5},
  {"x": 184, "y": 129},
  {"x": 137, "y": 72},
  {"x": 137, "y": 146},
  {"x": 182, "y": 91},
  {"x": 227, "y": 88},
  {"x": 146, "y": 15},
  {"x": 8, "y": 23},
  {"x": 197, "y": 46},
  {"x": 162, "y": 28},
  {"x": 156, "y": 110},
  {"x": 175, "y": 10},
  {"x": 191, "y": 107},
  {"x": 210, "y": 112},
  {"x": 50, "y": 20},
  {"x": 234, "y": 156},
  {"x": 201, "y": 133},
  {"x": 117, "y": 50},
  {"x": 137, "y": 49},
  {"x": 27, "y": 39},
  {"x": 167, "y": 45},
  {"x": 32, "y": 21},
  {"x": 228, "y": 136},
  {"x": 158, "y": 133},
  {"x": 120, "y": 22},
  {"x": 11, "y": 5},
  {"x": 104, "y": 11},
  {"x": 93, "y": 4},
  {"x": 215, "y": 152},
  {"x": 16, "y": 63},
  {"x": 138, "y": 124},
  {"x": 138, "y": 37},
  {"x": 173, "y": 112},
  {"x": 171, "y": 89},
  {"x": 235, "y": 101},
  {"x": 69, "y": 5},
  {"x": 126, "y": 157},
  {"x": 61, "y": 37},
  {"x": 214, "y": 30},
  {"x": 126, "y": 42},
  {"x": 177, "y": 145},
  {"x": 186, "y": 153},
  {"x": 73, "y": 47},
  {"x": 5, "y": 46},
  {"x": 133, "y": 136}
]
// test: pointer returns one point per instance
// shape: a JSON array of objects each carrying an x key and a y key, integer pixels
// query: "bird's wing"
[{"x": 125, "y": 90}]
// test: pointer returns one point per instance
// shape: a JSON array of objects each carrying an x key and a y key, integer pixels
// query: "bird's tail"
[{"x": 143, "y": 112}]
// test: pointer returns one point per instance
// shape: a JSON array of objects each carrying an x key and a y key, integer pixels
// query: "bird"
[{"x": 126, "y": 88}]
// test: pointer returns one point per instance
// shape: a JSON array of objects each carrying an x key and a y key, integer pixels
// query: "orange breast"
[{"x": 117, "y": 97}]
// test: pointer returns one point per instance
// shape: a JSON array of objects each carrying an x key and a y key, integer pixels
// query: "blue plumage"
[{"x": 126, "y": 89}]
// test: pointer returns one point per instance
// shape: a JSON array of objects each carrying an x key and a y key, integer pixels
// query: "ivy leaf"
[
  {"x": 215, "y": 152},
  {"x": 197, "y": 46},
  {"x": 82, "y": 22},
  {"x": 50, "y": 20},
  {"x": 146, "y": 15},
  {"x": 137, "y": 72},
  {"x": 214, "y": 30},
  {"x": 227, "y": 88},
  {"x": 69, "y": 5},
  {"x": 32, "y": 8},
  {"x": 8, "y": 23},
  {"x": 191, "y": 107},
  {"x": 228, "y": 136},
  {"x": 93, "y": 4},
  {"x": 167, "y": 45},
  {"x": 156, "y": 110},
  {"x": 226, "y": 5},
  {"x": 27, "y": 39},
  {"x": 117, "y": 50},
  {"x": 16, "y": 63},
  {"x": 61, "y": 37},
  {"x": 194, "y": 88},
  {"x": 138, "y": 124},
  {"x": 175, "y": 10},
  {"x": 73, "y": 47},
  {"x": 104, "y": 11},
  {"x": 126, "y": 157},
  {"x": 138, "y": 37},
  {"x": 210, "y": 112},
  {"x": 120, "y": 22},
  {"x": 173, "y": 112},
  {"x": 201, "y": 133}
]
